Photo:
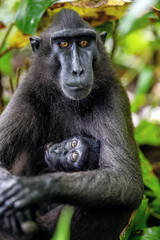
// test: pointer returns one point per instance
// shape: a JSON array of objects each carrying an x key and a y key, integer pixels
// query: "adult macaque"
[
  {"x": 73, "y": 154},
  {"x": 70, "y": 90}
]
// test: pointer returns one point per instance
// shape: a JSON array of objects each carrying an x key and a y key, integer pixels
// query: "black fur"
[{"x": 39, "y": 113}]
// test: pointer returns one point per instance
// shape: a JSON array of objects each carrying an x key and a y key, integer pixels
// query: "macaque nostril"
[
  {"x": 77, "y": 72},
  {"x": 74, "y": 73}
]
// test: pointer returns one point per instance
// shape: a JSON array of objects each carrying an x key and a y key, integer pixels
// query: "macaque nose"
[{"x": 77, "y": 72}]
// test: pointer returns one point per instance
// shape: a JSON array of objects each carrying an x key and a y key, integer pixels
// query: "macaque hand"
[{"x": 21, "y": 193}]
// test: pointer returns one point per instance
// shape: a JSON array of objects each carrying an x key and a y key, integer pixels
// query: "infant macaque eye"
[
  {"x": 74, "y": 143},
  {"x": 74, "y": 156}
]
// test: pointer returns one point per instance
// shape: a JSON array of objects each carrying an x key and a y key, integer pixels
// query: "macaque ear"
[
  {"x": 103, "y": 36},
  {"x": 35, "y": 44}
]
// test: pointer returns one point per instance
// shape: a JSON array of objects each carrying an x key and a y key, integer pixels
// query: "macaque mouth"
[
  {"x": 76, "y": 92},
  {"x": 77, "y": 87}
]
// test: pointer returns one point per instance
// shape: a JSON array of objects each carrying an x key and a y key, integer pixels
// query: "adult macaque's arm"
[{"x": 105, "y": 187}]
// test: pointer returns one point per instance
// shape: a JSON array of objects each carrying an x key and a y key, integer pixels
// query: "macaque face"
[{"x": 67, "y": 155}]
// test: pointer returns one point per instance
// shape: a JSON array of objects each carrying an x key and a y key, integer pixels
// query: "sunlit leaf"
[
  {"x": 5, "y": 64},
  {"x": 94, "y": 4},
  {"x": 64, "y": 223},
  {"x": 138, "y": 102},
  {"x": 152, "y": 233},
  {"x": 95, "y": 12},
  {"x": 147, "y": 133},
  {"x": 19, "y": 40},
  {"x": 136, "y": 42},
  {"x": 8, "y": 9},
  {"x": 138, "y": 221},
  {"x": 145, "y": 81},
  {"x": 30, "y": 13},
  {"x": 155, "y": 207},
  {"x": 136, "y": 10},
  {"x": 158, "y": 5},
  {"x": 149, "y": 178}
]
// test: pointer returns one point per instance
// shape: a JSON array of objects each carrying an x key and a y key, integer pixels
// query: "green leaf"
[
  {"x": 138, "y": 102},
  {"x": 5, "y": 64},
  {"x": 63, "y": 227},
  {"x": 145, "y": 81},
  {"x": 149, "y": 179},
  {"x": 152, "y": 16},
  {"x": 138, "y": 222},
  {"x": 138, "y": 23},
  {"x": 155, "y": 207},
  {"x": 108, "y": 27},
  {"x": 149, "y": 194},
  {"x": 147, "y": 133},
  {"x": 136, "y": 10},
  {"x": 30, "y": 13},
  {"x": 158, "y": 5},
  {"x": 152, "y": 233}
]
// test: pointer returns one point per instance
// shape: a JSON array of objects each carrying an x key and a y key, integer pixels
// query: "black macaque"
[
  {"x": 73, "y": 154},
  {"x": 70, "y": 90}
]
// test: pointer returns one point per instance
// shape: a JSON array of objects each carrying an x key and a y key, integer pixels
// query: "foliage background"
[{"x": 133, "y": 42}]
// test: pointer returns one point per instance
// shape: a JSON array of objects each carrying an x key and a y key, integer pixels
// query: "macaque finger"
[
  {"x": 14, "y": 226},
  {"x": 20, "y": 217},
  {"x": 10, "y": 203},
  {"x": 9, "y": 193},
  {"x": 6, "y": 223}
]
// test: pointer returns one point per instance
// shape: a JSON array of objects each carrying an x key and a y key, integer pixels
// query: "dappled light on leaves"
[{"x": 19, "y": 40}]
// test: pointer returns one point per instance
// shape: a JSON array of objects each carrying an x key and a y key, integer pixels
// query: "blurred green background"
[{"x": 133, "y": 42}]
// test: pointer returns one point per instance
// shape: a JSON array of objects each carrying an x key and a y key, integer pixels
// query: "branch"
[
  {"x": 1, "y": 95},
  {"x": 7, "y": 50},
  {"x": 6, "y": 35},
  {"x": 18, "y": 72},
  {"x": 11, "y": 84}
]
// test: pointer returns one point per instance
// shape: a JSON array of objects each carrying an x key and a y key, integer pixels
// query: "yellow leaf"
[
  {"x": 96, "y": 12},
  {"x": 19, "y": 40}
]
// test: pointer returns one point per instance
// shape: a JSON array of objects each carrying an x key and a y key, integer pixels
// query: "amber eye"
[
  {"x": 74, "y": 144},
  {"x": 83, "y": 43},
  {"x": 74, "y": 156},
  {"x": 64, "y": 44}
]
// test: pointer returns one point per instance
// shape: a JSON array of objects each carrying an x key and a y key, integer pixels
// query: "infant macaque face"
[{"x": 71, "y": 154}]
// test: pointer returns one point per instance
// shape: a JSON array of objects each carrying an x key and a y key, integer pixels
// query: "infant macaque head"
[{"x": 73, "y": 154}]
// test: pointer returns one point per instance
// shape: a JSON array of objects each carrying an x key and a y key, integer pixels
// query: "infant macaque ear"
[
  {"x": 48, "y": 145},
  {"x": 35, "y": 44},
  {"x": 103, "y": 36}
]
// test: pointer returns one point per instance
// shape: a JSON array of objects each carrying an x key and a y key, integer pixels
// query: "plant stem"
[
  {"x": 1, "y": 95},
  {"x": 7, "y": 50},
  {"x": 6, "y": 35}
]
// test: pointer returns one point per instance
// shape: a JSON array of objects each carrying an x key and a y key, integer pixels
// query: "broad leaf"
[
  {"x": 152, "y": 233},
  {"x": 138, "y": 222},
  {"x": 149, "y": 179},
  {"x": 136, "y": 10},
  {"x": 148, "y": 133},
  {"x": 155, "y": 208},
  {"x": 30, "y": 13},
  {"x": 145, "y": 81}
]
